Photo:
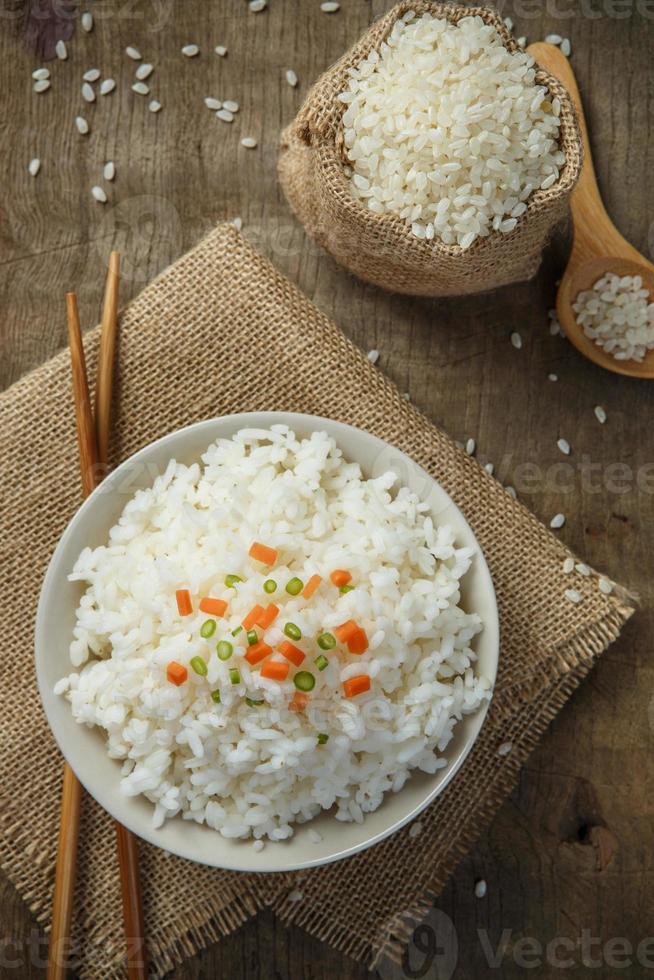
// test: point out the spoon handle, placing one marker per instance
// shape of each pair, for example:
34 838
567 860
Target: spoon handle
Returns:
588 211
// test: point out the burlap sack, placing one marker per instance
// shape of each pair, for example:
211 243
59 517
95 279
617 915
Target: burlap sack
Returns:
380 248
224 297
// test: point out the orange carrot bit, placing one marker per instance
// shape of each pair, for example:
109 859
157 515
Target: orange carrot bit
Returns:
298 702
275 670
340 577
268 616
217 607
291 652
262 553
184 604
176 673
356 685
357 641
345 631
311 586
258 651
252 617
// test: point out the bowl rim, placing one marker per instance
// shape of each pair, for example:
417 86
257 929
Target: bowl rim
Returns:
122 813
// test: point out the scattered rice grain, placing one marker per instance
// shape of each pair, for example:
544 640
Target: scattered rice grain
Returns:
107 86
109 170
154 105
568 565
141 88
99 194
471 445
373 356
92 75
248 142
42 85
144 71
552 377
564 446
61 50
87 93
557 521
505 748
605 586
553 39
583 569
600 414
291 77
329 7
258 846
220 50
225 115
82 125
190 50
415 829
516 340
480 888
256 6
133 53
566 47
40 73
572 595
230 105
214 104
87 21
34 166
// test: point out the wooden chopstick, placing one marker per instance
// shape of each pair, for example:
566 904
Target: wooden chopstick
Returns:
104 379
71 795
64 889
127 845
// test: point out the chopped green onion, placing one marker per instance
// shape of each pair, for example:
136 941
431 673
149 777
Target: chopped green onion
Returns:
239 629
199 666
208 628
321 662
270 586
344 589
293 632
253 702
215 697
295 586
304 680
252 637
326 641
231 581
322 738
224 650
234 675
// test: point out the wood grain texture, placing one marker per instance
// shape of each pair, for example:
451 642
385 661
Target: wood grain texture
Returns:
181 171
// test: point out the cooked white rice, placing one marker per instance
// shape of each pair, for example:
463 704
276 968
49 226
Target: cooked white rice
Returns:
255 770
448 129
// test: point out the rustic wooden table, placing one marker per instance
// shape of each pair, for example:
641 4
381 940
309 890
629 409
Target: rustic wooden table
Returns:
182 170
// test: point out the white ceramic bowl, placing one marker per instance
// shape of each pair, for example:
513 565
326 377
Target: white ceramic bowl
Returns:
84 748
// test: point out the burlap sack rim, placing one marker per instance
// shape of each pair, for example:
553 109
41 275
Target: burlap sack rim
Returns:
324 132
588 644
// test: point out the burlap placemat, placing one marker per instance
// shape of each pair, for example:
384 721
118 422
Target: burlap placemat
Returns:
187 347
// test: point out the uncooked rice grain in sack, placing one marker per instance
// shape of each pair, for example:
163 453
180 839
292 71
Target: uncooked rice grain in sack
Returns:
317 171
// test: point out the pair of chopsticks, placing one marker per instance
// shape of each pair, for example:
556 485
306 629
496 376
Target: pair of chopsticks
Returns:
92 440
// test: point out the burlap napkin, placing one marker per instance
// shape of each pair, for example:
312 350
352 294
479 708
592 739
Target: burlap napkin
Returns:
187 348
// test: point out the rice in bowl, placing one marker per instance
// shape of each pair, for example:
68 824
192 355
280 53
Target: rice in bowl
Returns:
249 765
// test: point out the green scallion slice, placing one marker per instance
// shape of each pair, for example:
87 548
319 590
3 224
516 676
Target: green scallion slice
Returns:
239 629
270 586
304 680
199 666
207 629
231 581
215 697
344 589
253 702
234 675
326 641
294 586
252 637
322 738
321 662
293 632
224 650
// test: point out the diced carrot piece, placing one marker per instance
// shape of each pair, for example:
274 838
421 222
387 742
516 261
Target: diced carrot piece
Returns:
311 586
275 670
252 617
258 651
357 641
176 673
262 553
268 616
184 604
298 702
345 631
340 577
291 652
217 607
356 685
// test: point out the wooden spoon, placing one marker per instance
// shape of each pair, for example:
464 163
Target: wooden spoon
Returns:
597 247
